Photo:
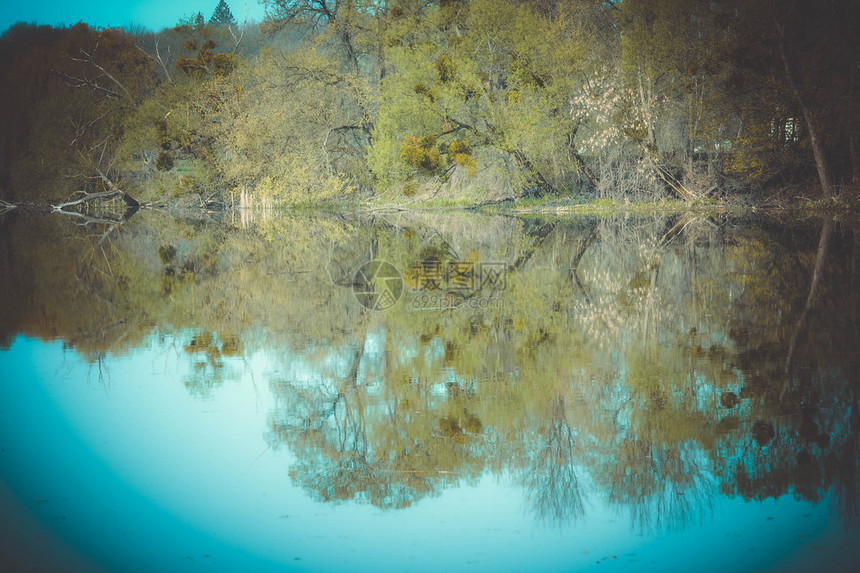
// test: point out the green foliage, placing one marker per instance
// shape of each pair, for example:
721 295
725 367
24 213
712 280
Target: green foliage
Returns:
490 81
644 99
222 14
299 153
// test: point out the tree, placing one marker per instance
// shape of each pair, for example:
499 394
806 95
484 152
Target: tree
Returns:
673 58
493 79
222 16
70 98
792 75
312 151
342 20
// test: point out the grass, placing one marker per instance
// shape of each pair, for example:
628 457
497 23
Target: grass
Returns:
569 206
604 207
573 206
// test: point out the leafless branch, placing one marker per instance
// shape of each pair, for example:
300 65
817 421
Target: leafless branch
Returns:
242 31
81 129
89 59
92 83
157 58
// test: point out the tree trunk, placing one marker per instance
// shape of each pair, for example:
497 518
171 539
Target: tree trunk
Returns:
811 124
541 185
855 159
853 129
817 271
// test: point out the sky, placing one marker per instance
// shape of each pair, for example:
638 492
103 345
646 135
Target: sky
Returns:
153 14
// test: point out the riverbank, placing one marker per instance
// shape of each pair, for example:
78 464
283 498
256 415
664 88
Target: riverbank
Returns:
796 200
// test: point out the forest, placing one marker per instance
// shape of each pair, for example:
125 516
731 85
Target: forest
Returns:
415 101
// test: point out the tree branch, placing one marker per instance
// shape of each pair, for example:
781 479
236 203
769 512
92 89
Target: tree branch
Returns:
157 59
6 206
90 60
89 197
76 82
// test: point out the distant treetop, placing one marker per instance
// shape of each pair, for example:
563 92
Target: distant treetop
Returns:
222 14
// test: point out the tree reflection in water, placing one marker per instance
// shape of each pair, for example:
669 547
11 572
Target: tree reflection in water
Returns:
552 484
656 363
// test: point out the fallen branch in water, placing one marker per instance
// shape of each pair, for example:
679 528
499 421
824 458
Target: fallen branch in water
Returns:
6 206
127 199
87 219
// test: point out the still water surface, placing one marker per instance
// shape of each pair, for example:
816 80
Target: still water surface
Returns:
518 394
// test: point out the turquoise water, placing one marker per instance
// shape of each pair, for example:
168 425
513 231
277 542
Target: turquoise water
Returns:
135 474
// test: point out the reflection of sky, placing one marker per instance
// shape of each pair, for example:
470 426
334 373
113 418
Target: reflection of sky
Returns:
142 476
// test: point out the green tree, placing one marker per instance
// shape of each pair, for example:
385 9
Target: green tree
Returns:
298 153
674 59
496 74
222 16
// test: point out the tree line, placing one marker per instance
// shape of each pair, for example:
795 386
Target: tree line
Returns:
465 99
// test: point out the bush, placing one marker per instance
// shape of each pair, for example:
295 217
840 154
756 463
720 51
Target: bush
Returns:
223 64
421 153
164 161
409 189
445 68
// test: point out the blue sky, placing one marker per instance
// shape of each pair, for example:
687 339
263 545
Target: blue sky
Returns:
154 14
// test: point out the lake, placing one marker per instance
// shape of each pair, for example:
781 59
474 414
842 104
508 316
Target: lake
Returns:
438 391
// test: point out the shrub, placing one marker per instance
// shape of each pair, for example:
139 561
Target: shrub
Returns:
445 68
165 161
409 189
421 153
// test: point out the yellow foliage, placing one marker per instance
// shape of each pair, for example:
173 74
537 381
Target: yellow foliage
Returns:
421 153
223 64
466 161
409 189
459 146
445 68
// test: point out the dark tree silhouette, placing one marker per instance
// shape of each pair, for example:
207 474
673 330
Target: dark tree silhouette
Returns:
222 15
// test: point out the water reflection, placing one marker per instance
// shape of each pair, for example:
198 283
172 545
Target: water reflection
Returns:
654 367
